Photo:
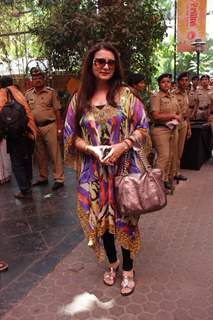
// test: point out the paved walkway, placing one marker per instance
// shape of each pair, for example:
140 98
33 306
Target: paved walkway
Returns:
174 269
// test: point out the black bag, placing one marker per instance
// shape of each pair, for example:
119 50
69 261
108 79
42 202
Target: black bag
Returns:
13 118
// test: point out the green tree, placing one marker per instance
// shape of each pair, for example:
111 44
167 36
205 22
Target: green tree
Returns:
135 27
17 20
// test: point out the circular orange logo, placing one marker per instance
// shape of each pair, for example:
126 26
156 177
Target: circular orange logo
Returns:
191 35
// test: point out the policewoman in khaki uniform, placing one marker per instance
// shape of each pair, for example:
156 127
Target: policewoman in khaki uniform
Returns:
204 98
164 109
184 128
45 106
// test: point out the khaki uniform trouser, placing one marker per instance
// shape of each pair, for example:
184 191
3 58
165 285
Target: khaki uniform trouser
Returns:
211 124
47 141
165 143
182 133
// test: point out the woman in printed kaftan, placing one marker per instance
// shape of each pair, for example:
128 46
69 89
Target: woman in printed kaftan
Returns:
103 124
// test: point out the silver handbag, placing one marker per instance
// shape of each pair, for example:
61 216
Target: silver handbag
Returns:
139 193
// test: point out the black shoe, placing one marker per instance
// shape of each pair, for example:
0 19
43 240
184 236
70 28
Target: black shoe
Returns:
57 185
21 195
167 185
179 177
40 183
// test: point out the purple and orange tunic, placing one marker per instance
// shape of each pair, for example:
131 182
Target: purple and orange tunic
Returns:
96 204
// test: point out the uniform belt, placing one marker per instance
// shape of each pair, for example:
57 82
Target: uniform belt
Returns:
156 125
44 123
203 108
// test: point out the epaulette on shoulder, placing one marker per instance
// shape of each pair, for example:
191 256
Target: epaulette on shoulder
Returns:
49 88
28 90
154 94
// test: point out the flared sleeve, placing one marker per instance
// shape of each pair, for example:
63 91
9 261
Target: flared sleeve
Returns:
72 158
137 128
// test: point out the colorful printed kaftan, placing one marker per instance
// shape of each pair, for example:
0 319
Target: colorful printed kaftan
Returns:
96 198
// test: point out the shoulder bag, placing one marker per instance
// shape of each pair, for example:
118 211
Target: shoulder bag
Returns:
139 193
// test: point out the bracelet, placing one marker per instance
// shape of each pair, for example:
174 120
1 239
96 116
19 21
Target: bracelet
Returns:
129 142
127 147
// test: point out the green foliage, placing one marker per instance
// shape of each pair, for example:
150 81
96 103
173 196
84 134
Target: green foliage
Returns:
186 61
63 30
17 17
135 27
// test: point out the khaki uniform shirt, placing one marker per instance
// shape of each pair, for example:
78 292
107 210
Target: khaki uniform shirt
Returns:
203 96
211 104
183 101
192 98
43 103
164 103
203 103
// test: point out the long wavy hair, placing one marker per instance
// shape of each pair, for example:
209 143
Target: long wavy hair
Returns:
88 81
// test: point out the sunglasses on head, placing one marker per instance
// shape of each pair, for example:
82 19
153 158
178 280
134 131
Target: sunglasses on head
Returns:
101 62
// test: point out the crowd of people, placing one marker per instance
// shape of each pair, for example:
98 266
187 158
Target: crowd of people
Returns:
172 110
105 120
41 138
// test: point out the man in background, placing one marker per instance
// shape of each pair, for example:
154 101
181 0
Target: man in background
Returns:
20 147
46 109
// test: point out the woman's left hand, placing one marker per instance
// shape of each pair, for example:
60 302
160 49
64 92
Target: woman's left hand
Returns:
114 154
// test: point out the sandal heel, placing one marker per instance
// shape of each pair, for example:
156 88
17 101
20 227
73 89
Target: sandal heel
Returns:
110 276
127 284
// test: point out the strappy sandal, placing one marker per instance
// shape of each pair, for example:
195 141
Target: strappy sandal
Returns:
127 285
3 266
110 276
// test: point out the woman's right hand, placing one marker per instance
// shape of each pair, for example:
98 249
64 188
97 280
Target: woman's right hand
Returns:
97 151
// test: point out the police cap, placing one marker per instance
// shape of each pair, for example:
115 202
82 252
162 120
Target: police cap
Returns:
195 78
134 78
205 76
34 71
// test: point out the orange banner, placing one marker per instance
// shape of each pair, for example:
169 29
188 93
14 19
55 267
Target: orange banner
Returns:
191 23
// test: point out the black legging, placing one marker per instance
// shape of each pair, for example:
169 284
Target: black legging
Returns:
109 246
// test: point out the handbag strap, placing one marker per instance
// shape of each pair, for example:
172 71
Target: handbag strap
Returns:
143 158
10 97
123 169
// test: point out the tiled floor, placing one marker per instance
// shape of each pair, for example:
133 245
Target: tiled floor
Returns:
174 272
35 236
